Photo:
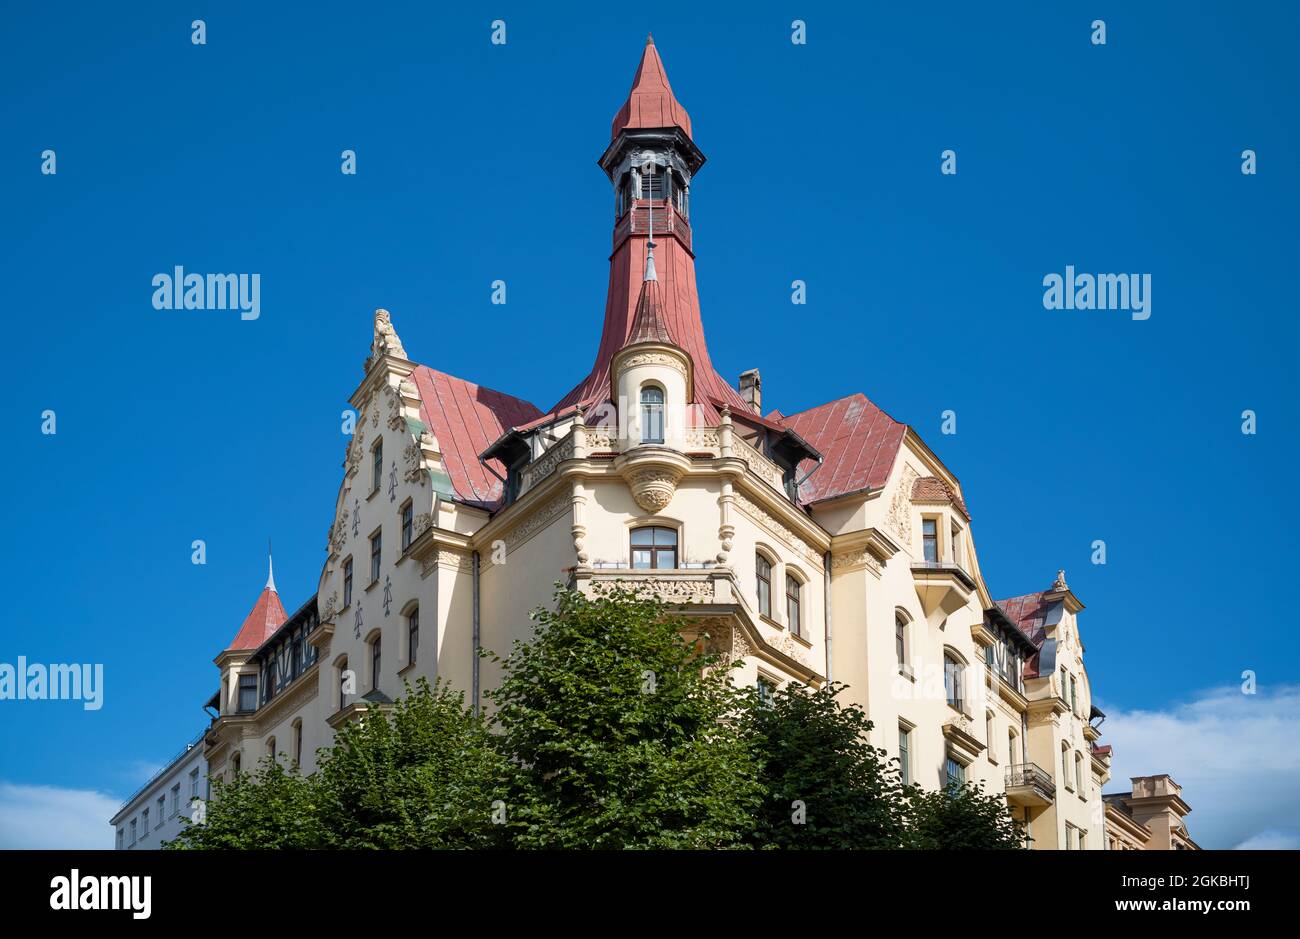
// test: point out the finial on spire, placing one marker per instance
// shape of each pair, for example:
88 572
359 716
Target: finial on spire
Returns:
649 39
270 569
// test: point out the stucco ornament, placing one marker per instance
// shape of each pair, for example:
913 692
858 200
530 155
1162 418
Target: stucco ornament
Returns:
653 489
386 341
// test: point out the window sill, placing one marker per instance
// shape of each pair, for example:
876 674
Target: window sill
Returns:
763 617
373 492
906 671
798 637
372 585
405 668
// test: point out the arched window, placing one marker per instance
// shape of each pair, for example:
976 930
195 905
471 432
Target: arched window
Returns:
763 578
988 734
793 604
900 642
1065 766
652 414
297 741
270 747
375 650
412 633
952 680
654 548
343 682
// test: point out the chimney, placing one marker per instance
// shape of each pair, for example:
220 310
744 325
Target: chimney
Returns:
751 389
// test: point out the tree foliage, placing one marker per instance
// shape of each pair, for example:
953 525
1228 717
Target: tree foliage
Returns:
614 726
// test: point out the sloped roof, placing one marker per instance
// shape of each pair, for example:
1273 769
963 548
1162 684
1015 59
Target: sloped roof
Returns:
651 102
932 489
266 616
858 441
1029 613
466 418
647 322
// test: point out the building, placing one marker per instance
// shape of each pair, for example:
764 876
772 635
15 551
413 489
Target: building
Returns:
160 809
831 543
1149 817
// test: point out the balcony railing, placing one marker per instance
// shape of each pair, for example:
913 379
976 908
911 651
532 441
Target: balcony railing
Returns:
1032 779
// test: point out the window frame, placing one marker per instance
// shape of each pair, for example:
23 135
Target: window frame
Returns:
655 549
377 466
652 413
376 555
412 634
930 539
763 583
406 517
794 604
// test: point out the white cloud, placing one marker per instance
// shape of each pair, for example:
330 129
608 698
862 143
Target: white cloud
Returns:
1231 753
51 817
1272 841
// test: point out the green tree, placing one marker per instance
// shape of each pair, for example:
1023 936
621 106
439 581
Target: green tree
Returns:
827 786
422 774
272 809
961 818
624 733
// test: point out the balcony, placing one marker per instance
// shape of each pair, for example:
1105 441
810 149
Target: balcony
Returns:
942 585
1028 784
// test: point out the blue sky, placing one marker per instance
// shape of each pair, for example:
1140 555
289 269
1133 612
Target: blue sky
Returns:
477 162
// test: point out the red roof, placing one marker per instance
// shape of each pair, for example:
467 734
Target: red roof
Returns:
466 418
266 616
647 323
651 102
1029 613
858 442
932 489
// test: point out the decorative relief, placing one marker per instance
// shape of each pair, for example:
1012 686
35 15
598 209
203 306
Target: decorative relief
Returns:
414 463
653 489
597 440
701 438
423 522
785 535
760 465
670 590
728 642
854 560
356 451
449 560
549 460
537 521
899 518
339 532
793 649
329 608
396 419
653 358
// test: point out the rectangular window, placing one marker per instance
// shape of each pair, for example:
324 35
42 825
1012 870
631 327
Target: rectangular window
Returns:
144 824
376 549
377 467
343 685
374 664
121 839
1011 746
408 524
764 577
954 772
162 811
413 632
792 612
347 582
905 754
133 831
900 643
930 538
176 799
297 743
247 692
766 691
194 783
955 557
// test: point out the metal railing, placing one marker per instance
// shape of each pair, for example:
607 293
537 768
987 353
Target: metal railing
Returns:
1030 774
166 766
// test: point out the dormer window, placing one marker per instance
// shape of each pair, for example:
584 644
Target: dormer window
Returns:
652 414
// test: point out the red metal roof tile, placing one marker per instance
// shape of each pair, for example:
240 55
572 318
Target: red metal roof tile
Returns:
651 102
858 441
466 418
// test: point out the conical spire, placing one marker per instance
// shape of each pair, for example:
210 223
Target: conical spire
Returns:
270 569
266 616
648 321
651 102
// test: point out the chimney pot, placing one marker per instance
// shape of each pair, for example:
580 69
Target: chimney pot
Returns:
751 389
